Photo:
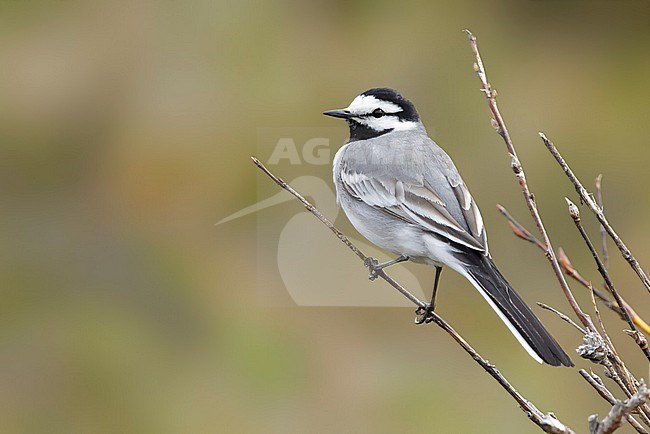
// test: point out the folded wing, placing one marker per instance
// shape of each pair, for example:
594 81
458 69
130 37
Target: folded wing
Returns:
420 203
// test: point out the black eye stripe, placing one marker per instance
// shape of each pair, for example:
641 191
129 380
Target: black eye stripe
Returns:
372 114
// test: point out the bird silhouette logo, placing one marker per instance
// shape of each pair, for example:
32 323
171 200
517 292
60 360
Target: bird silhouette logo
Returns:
315 267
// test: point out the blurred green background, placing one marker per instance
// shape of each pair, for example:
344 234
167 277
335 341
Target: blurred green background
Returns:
125 135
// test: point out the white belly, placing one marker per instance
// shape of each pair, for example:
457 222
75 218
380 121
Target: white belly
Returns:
397 236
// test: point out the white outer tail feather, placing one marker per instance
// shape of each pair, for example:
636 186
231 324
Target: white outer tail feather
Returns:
512 329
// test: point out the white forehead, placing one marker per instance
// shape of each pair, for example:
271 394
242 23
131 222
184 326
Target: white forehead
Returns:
364 104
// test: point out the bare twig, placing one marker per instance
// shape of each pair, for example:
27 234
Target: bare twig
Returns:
611 373
600 321
562 316
519 230
572 272
614 362
499 125
603 232
312 209
517 168
637 319
638 337
547 422
598 385
586 198
615 367
618 413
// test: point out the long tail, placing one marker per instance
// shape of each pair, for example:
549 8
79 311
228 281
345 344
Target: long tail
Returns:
521 321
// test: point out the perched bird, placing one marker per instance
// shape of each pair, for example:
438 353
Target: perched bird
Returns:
403 193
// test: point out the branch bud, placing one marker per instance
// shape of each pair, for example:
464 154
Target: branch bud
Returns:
573 210
640 340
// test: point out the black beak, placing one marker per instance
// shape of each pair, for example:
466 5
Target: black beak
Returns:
343 114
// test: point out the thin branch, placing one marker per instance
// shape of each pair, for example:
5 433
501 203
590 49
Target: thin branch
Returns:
547 422
519 230
586 198
598 385
517 168
600 322
638 337
620 411
603 232
570 271
499 125
614 362
312 209
562 316
615 367
612 372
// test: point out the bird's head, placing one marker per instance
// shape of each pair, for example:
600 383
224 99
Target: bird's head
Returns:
376 112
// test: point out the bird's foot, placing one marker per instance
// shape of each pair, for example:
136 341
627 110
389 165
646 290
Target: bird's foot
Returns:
424 314
375 267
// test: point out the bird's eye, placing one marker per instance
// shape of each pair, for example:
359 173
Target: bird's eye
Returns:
378 113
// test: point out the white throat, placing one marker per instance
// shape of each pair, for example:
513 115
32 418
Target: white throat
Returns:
387 122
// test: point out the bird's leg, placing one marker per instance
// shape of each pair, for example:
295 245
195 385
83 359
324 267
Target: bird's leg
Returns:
424 313
375 267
